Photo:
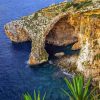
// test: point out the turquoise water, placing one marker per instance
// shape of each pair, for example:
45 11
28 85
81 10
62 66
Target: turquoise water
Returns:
16 77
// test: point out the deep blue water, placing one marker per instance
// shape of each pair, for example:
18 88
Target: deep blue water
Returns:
16 77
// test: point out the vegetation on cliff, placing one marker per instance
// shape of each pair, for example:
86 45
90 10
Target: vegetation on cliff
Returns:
78 90
37 96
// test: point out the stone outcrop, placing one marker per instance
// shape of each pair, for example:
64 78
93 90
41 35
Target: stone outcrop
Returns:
67 63
63 24
47 25
89 58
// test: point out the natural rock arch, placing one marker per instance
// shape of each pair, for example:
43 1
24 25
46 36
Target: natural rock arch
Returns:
83 25
59 32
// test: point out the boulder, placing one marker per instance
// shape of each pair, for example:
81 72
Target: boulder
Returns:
60 54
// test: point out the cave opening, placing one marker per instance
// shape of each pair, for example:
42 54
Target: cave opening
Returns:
61 38
53 50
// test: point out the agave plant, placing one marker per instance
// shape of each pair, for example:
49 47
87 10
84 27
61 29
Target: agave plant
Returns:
78 91
37 96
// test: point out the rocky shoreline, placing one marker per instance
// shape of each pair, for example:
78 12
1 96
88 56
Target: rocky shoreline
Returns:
77 22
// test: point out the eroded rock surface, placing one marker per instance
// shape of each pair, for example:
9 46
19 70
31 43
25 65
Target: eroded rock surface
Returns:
39 28
89 59
67 62
63 24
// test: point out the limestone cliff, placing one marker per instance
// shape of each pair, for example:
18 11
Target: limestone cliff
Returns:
47 25
89 58
89 32
76 22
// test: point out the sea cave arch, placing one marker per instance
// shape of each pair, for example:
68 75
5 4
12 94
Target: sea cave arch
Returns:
59 32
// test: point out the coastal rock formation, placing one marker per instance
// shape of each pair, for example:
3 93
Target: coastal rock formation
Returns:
47 25
67 63
76 22
89 58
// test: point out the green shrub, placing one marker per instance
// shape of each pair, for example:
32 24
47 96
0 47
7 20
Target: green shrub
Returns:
83 4
97 57
68 5
27 96
78 91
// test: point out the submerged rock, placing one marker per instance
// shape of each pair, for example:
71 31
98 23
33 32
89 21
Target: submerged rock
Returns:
60 54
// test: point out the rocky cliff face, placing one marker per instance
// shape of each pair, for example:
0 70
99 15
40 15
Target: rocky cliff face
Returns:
63 24
89 58
47 25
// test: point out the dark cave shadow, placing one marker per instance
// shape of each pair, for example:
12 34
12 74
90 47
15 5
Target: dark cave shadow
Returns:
51 50
24 46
